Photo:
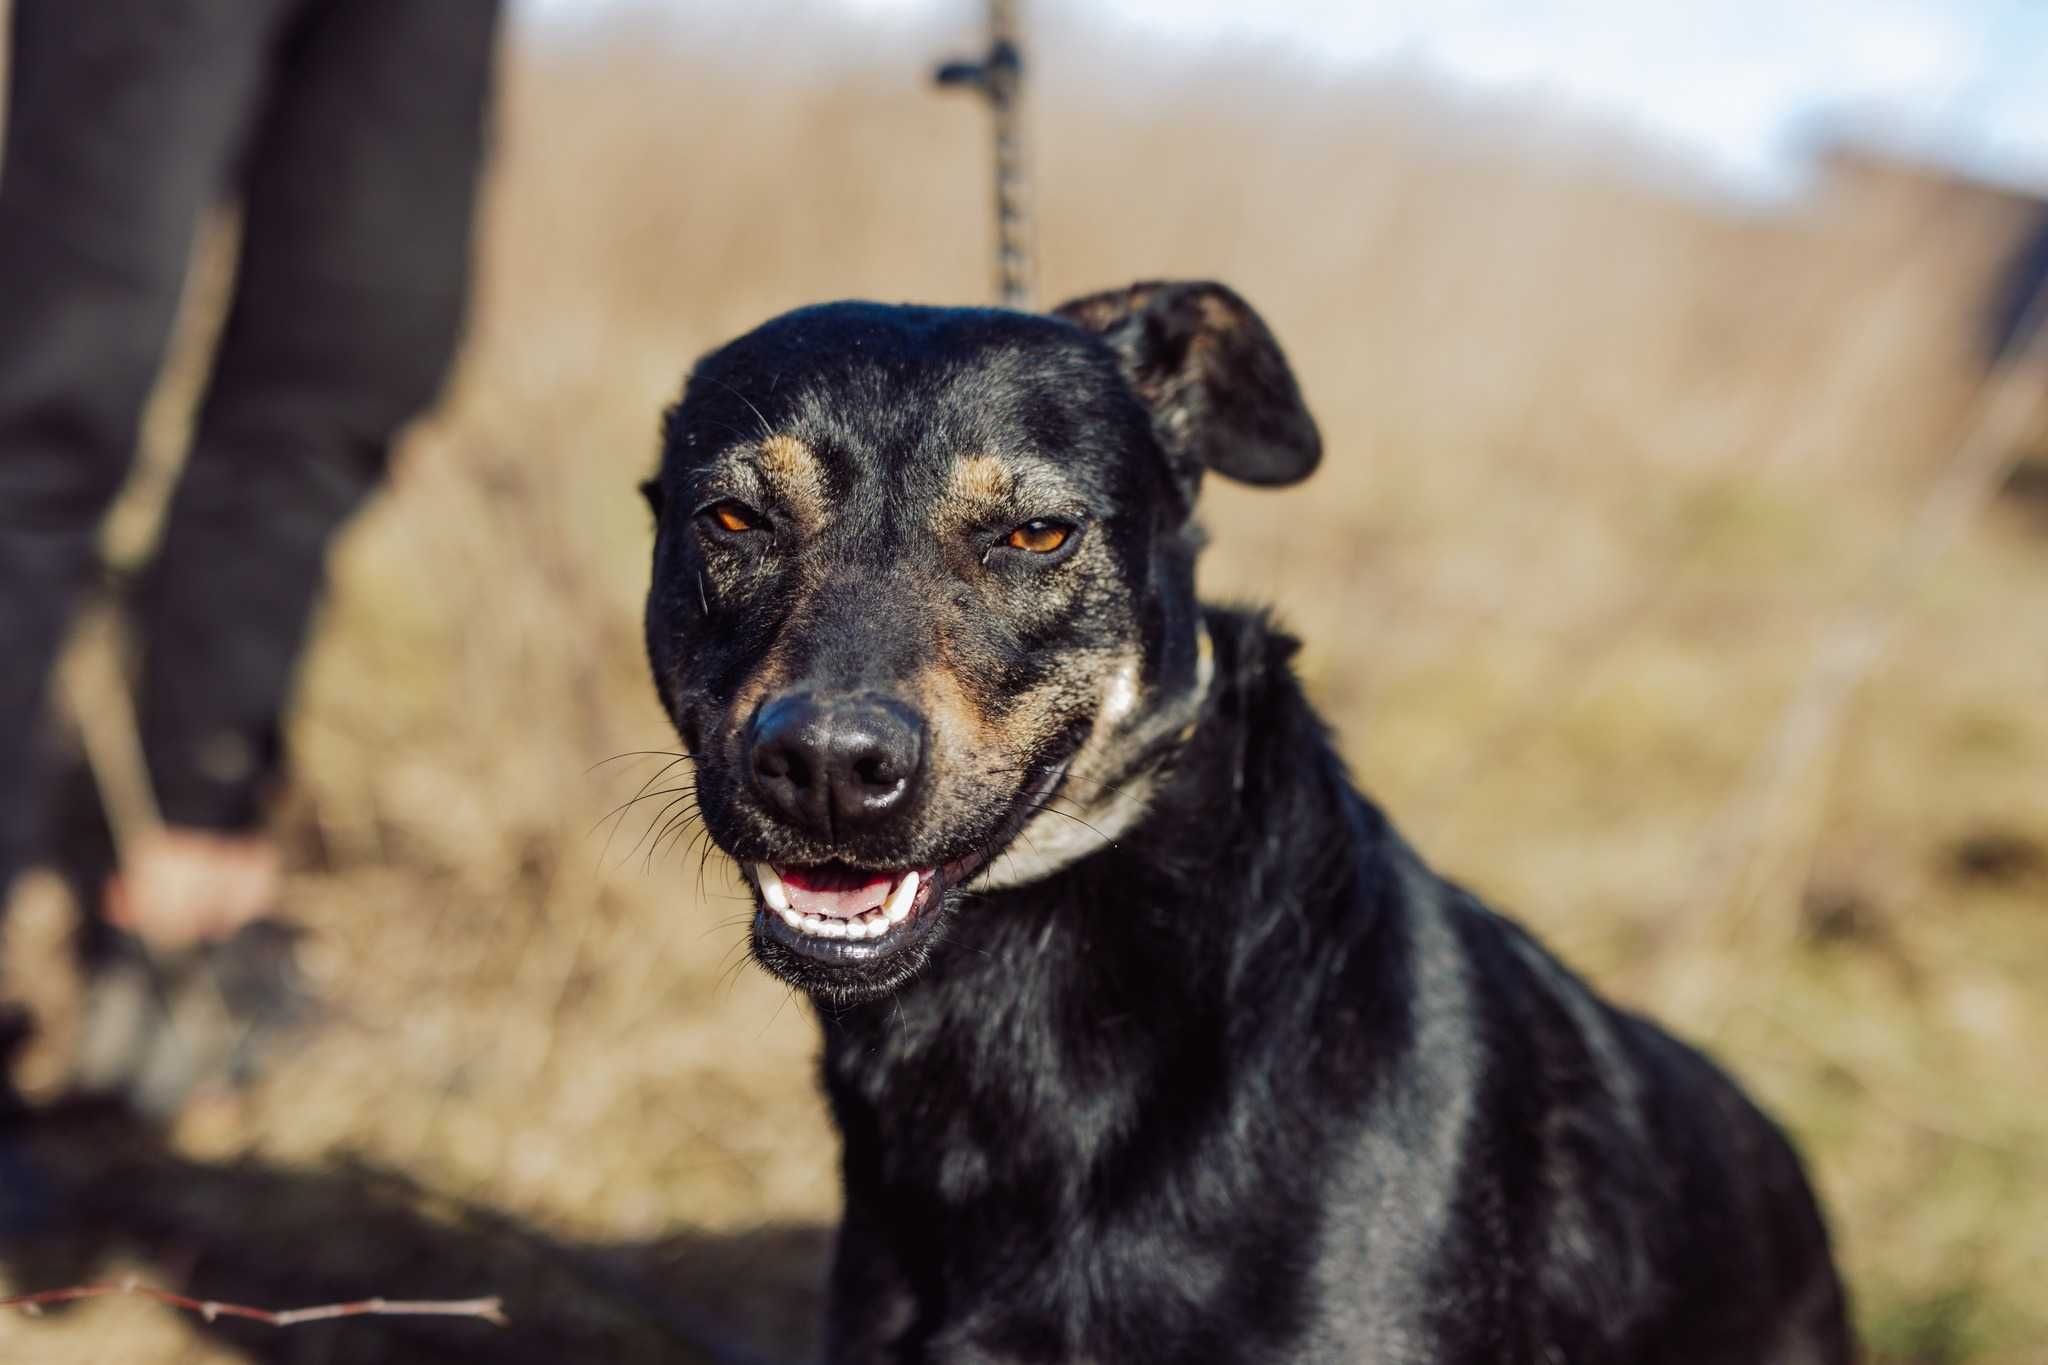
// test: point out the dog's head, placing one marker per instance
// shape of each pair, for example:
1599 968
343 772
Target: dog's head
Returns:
921 573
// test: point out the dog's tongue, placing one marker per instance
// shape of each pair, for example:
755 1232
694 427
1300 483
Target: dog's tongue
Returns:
836 892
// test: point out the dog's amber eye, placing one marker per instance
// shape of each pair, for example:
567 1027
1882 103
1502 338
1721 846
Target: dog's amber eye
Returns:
1039 537
732 516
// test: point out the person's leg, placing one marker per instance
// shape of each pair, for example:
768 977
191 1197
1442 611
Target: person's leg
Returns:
348 305
122 118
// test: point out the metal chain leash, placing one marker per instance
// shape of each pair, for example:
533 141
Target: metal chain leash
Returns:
999 77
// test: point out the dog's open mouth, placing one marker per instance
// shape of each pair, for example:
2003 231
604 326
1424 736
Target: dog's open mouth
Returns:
838 914
837 901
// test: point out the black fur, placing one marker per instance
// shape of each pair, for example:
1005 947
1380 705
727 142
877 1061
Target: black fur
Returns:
1248 1082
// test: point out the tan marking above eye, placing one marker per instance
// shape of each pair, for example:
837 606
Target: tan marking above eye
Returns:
797 480
981 479
1039 537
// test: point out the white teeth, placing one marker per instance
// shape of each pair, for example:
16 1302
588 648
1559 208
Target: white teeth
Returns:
874 924
900 899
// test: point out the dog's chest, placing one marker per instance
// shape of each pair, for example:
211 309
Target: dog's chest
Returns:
1048 1174
986 1092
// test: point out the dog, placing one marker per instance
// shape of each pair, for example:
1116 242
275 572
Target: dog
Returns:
1147 1037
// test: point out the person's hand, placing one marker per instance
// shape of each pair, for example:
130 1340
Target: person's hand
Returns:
180 887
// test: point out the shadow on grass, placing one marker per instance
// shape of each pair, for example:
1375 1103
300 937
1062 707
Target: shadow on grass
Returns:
274 1237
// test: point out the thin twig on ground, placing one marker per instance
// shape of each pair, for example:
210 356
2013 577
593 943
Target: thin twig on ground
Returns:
490 1309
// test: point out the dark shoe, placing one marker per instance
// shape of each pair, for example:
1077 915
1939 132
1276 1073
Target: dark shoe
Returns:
157 1027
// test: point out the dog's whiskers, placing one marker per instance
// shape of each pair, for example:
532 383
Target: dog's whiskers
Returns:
634 800
1101 785
673 832
681 807
1049 808
636 753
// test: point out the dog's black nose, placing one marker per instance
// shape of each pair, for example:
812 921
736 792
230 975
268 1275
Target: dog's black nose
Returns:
834 766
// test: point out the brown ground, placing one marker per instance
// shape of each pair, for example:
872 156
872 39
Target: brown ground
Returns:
1607 465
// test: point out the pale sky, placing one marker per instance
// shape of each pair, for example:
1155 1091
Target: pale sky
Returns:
1736 82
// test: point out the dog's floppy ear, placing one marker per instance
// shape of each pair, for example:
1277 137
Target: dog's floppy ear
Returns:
1219 389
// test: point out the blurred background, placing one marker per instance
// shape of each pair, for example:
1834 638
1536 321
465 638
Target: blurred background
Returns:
1654 581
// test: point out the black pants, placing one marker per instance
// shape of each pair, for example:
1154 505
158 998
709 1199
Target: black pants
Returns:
353 130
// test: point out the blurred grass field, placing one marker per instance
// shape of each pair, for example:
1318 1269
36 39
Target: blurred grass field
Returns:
1608 458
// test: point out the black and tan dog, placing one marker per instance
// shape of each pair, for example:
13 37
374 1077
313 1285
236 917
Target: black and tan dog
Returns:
1148 1038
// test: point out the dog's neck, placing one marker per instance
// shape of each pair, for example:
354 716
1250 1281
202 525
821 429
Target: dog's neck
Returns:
1110 784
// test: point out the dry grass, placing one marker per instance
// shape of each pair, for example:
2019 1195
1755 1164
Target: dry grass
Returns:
1605 463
